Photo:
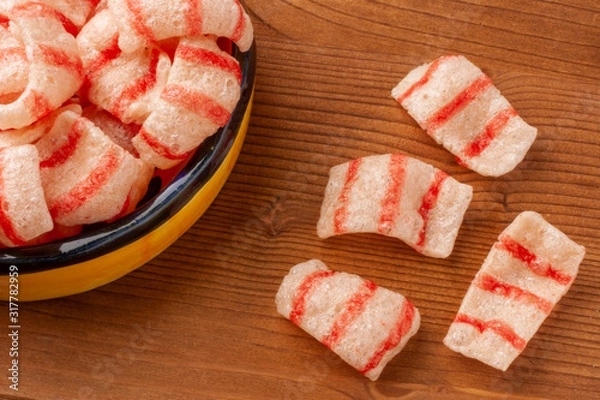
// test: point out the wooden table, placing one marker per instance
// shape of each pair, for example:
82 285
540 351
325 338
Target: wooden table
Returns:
199 321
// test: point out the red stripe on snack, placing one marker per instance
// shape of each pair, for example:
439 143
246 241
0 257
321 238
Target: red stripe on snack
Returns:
138 21
240 25
37 103
93 3
6 223
197 102
96 65
457 104
159 148
209 58
433 67
492 285
87 188
193 17
306 288
59 58
428 203
353 308
138 88
390 206
4 21
64 152
398 331
106 55
483 140
37 10
498 327
341 213
537 266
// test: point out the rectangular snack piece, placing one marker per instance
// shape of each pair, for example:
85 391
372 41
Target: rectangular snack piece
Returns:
528 270
397 196
366 325
463 111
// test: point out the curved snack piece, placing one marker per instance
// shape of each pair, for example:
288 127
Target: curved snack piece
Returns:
125 84
86 177
462 110
142 22
202 90
24 214
397 196
366 325
55 69
528 270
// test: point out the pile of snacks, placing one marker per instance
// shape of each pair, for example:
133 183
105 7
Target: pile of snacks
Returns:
526 273
95 95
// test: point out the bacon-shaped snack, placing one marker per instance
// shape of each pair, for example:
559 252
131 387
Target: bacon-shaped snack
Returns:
86 177
72 13
24 214
30 134
55 69
528 270
142 22
125 84
366 325
122 134
397 196
202 90
461 109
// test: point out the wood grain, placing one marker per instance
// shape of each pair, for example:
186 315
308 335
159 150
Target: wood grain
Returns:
199 321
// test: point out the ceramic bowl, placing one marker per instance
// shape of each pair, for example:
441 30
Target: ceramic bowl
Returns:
105 252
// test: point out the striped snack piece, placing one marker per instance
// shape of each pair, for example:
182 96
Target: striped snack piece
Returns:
86 177
462 110
397 196
72 13
125 84
528 270
55 68
142 22
366 325
202 90
23 213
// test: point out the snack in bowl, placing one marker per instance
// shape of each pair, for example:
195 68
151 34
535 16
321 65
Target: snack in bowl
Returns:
125 84
55 71
460 108
528 270
398 196
365 324
202 90
143 22
155 206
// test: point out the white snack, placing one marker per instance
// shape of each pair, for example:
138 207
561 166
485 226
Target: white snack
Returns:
526 273
86 177
202 90
462 110
397 196
364 324
55 69
142 22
